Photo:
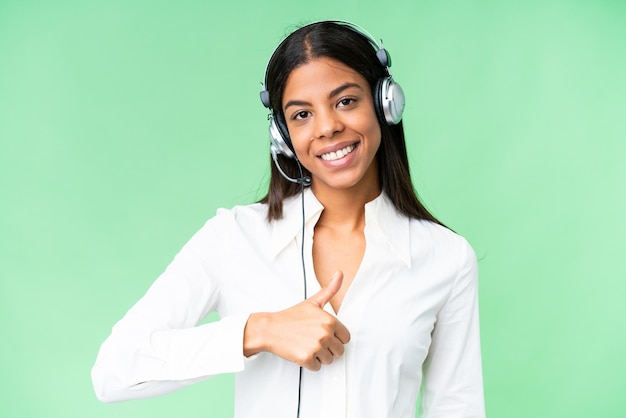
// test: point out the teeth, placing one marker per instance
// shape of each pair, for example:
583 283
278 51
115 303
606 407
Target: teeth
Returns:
335 155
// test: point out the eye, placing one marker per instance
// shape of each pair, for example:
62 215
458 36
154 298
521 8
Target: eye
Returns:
303 114
346 101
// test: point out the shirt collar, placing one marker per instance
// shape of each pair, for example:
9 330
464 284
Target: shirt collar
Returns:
380 215
290 226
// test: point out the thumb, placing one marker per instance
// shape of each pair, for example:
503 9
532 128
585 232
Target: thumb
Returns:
326 293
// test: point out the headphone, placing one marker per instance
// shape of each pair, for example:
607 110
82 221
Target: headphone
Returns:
388 98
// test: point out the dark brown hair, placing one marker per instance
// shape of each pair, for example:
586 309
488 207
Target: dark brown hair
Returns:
342 43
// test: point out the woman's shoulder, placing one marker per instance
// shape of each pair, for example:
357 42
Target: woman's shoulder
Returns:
440 238
252 210
241 220
253 215
434 230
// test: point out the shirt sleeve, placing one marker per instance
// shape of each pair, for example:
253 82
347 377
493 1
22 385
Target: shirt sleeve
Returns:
157 347
453 383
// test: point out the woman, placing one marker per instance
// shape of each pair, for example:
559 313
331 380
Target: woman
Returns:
394 292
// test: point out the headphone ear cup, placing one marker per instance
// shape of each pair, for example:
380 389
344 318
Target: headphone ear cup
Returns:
378 105
388 101
279 137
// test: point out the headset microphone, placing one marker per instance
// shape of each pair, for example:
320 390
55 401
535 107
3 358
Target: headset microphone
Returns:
304 180
278 146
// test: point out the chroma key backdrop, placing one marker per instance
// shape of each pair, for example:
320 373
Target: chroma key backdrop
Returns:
124 125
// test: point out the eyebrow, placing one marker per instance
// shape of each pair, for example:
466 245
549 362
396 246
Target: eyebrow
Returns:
332 94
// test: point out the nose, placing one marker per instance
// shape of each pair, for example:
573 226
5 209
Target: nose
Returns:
327 124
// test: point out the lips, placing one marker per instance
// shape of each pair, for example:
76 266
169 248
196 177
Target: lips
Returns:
338 154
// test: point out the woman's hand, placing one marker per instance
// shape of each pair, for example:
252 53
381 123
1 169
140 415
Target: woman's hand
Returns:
304 334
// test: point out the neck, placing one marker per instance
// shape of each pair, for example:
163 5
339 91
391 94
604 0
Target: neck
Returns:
345 208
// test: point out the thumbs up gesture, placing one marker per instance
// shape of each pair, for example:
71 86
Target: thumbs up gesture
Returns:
305 333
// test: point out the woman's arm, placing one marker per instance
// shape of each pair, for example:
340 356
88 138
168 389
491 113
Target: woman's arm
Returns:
157 347
453 384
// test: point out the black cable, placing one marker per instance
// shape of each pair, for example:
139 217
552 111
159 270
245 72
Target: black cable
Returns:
303 274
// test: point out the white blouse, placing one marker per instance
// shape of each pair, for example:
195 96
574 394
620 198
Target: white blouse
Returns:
412 312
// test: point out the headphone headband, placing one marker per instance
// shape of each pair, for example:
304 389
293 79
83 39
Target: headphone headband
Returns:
381 53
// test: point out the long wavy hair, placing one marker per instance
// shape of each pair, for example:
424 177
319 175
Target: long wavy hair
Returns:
344 44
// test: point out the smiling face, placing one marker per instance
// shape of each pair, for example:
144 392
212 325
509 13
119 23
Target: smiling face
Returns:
329 111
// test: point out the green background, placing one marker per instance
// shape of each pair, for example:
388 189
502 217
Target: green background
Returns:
125 124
